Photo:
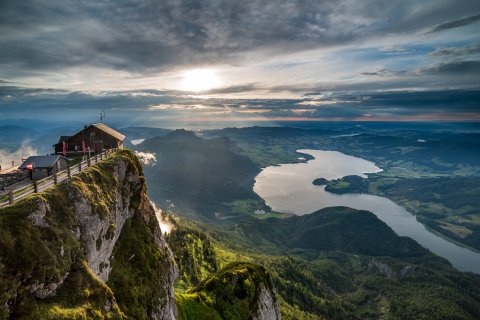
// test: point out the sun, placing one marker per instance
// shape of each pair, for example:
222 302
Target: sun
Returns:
199 80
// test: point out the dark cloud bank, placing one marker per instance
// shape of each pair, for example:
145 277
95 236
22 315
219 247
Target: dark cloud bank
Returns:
457 52
150 35
455 24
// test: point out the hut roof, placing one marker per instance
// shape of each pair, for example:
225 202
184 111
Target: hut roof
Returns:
41 161
110 131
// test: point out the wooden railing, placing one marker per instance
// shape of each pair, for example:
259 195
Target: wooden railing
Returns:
43 184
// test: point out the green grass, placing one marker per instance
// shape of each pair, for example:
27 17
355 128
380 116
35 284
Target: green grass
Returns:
269 215
82 296
193 253
190 306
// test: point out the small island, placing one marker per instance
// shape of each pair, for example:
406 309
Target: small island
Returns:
348 184
320 181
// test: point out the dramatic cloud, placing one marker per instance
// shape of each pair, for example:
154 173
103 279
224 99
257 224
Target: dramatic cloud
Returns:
455 24
457 52
237 89
171 111
385 73
156 35
463 68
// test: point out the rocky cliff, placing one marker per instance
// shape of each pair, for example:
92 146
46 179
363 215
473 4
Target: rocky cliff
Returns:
89 248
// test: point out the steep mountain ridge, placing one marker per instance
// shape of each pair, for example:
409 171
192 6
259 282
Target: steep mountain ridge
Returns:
56 247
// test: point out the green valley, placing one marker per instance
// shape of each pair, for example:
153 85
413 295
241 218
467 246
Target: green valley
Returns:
337 263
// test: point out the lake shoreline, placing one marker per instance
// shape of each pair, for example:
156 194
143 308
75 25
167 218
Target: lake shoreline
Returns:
289 188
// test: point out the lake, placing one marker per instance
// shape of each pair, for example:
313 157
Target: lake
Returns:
288 188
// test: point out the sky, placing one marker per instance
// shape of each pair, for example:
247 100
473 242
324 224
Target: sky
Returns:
172 62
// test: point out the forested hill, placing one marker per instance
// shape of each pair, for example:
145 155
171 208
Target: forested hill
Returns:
198 175
337 263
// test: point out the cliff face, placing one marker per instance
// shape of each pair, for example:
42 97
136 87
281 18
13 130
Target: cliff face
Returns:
89 248
97 233
266 307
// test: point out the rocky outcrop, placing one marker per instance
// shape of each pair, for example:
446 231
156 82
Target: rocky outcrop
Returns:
45 290
99 233
60 244
242 289
267 307
389 272
93 248
37 218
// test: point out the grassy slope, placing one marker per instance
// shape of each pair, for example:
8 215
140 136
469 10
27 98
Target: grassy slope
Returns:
203 291
194 253
192 306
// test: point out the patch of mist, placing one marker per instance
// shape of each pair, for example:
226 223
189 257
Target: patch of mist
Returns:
163 221
146 158
24 151
137 141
